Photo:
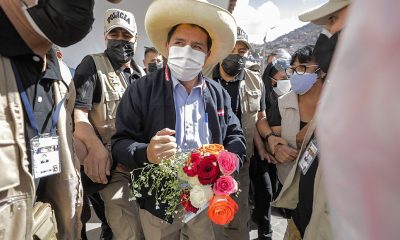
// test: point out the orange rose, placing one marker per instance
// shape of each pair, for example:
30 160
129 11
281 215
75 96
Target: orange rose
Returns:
222 209
214 149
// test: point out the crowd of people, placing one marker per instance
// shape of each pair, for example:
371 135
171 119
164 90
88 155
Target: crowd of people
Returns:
71 141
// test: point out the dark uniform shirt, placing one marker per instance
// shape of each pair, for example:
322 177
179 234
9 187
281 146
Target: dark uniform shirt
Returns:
39 89
232 87
87 81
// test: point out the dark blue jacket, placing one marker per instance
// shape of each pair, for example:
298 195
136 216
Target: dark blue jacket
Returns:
148 106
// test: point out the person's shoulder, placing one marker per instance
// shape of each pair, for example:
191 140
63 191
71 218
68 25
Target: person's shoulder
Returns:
212 83
253 74
288 100
87 62
150 79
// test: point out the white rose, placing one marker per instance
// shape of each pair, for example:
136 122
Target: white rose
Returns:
194 181
200 195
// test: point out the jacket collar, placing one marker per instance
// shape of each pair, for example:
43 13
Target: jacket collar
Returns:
289 100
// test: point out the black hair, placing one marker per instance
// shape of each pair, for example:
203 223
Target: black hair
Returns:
150 49
173 29
304 54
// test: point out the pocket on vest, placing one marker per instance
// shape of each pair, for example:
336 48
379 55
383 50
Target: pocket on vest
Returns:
253 100
9 157
14 215
112 100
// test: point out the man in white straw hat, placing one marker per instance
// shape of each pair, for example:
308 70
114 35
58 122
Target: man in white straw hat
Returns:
101 80
176 106
303 191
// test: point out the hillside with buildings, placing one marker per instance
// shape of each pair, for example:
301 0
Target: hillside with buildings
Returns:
306 35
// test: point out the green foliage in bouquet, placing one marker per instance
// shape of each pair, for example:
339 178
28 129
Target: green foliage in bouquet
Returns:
165 181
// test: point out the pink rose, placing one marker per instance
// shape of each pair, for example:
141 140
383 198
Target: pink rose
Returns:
225 185
228 162
191 165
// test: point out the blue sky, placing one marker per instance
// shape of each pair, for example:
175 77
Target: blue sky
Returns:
257 17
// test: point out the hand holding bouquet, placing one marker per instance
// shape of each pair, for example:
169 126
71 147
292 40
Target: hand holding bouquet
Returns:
194 180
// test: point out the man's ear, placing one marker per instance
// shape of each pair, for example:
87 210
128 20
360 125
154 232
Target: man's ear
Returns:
207 55
167 48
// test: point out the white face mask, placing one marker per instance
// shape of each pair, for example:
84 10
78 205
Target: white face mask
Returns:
282 87
185 63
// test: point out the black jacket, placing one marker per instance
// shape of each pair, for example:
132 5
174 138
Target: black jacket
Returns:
148 106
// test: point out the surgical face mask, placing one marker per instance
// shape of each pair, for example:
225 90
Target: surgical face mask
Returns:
302 83
233 64
120 51
185 63
154 66
282 87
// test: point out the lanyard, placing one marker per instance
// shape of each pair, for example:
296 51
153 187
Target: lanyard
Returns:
28 107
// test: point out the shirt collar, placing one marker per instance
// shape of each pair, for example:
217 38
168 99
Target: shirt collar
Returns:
53 68
200 83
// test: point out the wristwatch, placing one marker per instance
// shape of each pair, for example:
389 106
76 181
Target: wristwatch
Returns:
269 135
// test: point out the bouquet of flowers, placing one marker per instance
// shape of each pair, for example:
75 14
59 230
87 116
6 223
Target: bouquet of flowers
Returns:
194 180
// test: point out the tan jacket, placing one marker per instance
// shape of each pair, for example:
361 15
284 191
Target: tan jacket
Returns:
290 126
319 227
17 190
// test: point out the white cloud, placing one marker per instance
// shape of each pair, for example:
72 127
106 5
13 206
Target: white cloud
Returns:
257 21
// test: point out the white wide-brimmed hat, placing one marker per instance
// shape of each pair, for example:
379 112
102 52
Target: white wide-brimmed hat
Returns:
117 18
320 14
162 15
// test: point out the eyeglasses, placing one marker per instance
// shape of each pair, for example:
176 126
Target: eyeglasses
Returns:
301 69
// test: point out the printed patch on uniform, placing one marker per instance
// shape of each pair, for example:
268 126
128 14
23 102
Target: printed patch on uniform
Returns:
220 112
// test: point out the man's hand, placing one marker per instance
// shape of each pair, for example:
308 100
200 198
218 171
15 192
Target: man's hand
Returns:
97 163
263 154
272 159
273 141
162 145
285 153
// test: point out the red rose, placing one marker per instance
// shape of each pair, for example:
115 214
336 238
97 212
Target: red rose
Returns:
191 165
185 201
208 170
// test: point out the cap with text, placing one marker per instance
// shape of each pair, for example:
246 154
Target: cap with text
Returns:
116 18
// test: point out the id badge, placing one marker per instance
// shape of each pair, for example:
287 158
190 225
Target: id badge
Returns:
45 155
308 156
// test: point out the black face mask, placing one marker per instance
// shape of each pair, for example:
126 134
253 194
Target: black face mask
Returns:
120 51
233 64
324 50
63 22
152 67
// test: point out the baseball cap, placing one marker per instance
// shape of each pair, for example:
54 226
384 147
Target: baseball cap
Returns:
116 18
242 37
320 15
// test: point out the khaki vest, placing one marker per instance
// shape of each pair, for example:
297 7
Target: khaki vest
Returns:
17 190
250 97
113 85
290 126
319 227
